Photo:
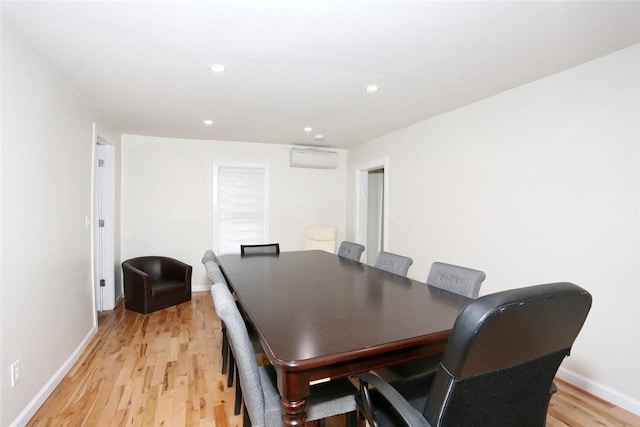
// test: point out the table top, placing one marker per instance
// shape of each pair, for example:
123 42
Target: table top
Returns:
314 308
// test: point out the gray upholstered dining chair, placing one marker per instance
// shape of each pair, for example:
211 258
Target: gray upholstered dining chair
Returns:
214 273
215 276
228 361
396 264
350 250
453 278
261 397
267 248
498 365
209 255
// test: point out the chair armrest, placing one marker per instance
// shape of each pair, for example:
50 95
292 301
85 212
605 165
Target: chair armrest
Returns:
409 414
137 280
133 272
177 270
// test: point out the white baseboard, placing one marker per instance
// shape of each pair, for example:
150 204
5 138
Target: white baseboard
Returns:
29 411
201 288
602 391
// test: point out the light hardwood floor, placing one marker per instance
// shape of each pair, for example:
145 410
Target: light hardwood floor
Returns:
163 369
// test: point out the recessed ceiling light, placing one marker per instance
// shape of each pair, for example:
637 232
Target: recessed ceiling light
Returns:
208 122
218 68
319 137
308 129
372 88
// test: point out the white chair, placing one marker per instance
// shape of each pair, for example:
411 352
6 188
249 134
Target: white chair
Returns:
323 238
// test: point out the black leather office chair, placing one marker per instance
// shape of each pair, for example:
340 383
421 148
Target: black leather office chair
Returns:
498 366
267 248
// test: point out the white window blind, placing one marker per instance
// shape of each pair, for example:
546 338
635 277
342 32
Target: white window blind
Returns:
240 215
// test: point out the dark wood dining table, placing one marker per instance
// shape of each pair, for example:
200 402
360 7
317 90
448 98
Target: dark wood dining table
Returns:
320 316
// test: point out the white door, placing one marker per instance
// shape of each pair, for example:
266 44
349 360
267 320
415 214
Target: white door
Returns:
103 225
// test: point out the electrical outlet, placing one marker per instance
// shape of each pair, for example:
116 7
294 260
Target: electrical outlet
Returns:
15 373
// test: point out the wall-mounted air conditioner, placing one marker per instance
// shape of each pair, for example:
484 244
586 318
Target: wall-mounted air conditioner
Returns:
313 158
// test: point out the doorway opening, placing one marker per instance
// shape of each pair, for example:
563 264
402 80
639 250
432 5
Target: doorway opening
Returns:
372 220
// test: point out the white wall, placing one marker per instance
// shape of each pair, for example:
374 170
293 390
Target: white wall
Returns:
167 196
46 309
534 185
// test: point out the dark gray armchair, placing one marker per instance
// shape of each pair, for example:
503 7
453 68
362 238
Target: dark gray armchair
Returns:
498 366
155 282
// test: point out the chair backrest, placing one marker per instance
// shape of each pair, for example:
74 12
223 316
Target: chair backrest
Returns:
209 255
214 273
322 238
396 264
502 355
152 265
267 248
351 250
242 352
453 278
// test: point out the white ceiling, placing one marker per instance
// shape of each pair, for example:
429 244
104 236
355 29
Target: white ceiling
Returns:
143 65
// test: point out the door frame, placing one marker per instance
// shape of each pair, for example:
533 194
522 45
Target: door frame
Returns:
362 195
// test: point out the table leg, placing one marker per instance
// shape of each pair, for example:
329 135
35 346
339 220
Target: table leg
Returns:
294 413
294 390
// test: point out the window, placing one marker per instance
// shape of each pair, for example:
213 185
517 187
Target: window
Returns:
240 211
